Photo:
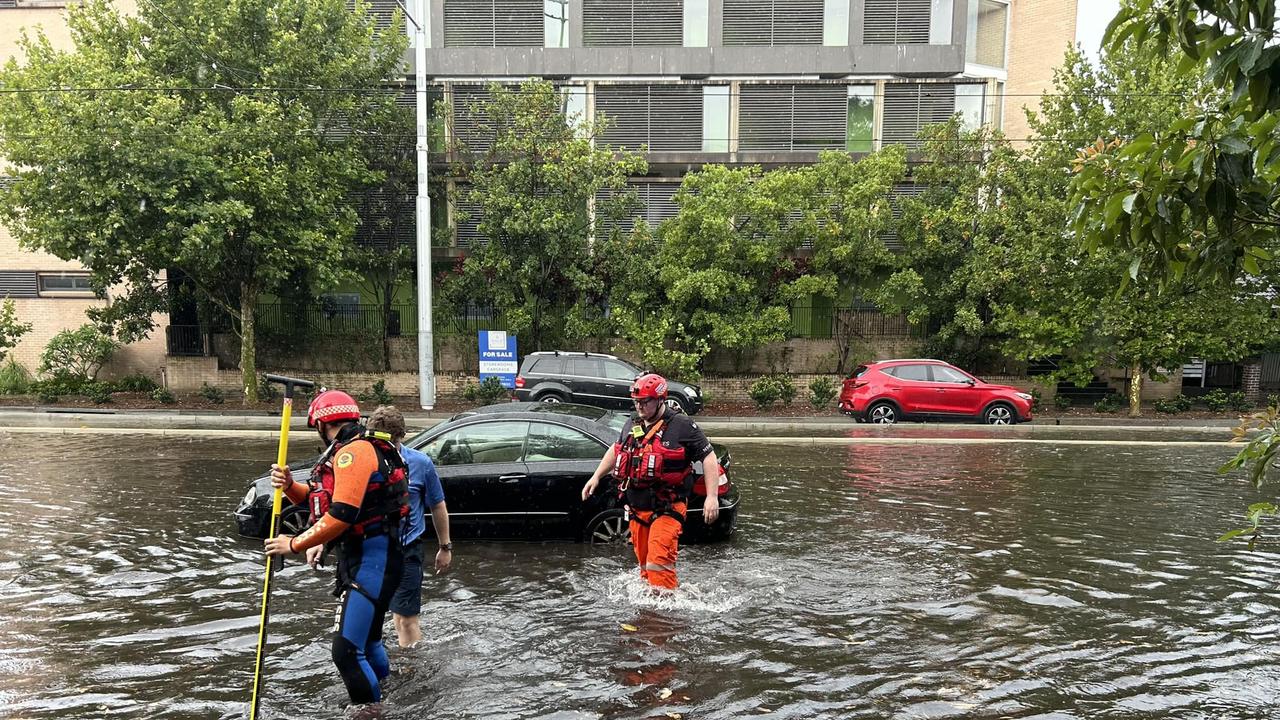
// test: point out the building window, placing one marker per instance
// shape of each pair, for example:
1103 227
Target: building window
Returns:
696 21
555 23
987 28
835 23
940 13
860 136
573 104
969 104
715 118
65 283
896 22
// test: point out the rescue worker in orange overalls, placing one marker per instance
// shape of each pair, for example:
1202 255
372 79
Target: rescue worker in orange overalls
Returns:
652 462
358 495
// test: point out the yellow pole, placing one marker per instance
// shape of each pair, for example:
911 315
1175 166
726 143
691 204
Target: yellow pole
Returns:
282 453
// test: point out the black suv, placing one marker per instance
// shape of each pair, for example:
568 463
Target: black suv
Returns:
592 379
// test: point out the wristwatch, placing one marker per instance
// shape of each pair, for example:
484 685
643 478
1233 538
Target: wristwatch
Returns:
447 546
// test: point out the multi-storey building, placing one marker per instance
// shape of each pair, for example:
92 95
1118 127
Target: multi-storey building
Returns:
769 82
732 82
50 293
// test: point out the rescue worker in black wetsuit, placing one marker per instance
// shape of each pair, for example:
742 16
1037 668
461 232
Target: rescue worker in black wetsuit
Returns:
358 495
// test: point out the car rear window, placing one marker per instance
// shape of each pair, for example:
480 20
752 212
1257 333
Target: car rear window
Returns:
547 365
858 371
910 372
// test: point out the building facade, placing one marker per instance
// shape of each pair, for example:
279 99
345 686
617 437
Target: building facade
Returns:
734 82
50 293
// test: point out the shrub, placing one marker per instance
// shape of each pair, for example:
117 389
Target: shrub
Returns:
821 391
1108 404
57 386
14 378
10 329
1273 401
78 353
1037 402
98 392
485 392
1062 402
786 388
267 391
764 392
377 394
1239 401
134 383
1167 405
212 394
162 395
1215 400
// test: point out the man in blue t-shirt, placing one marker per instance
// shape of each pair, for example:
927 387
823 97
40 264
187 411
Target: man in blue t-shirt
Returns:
424 492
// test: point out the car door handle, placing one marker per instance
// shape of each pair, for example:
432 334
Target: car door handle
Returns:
512 478
940 390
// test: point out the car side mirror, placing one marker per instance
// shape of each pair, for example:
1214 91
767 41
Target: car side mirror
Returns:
970 382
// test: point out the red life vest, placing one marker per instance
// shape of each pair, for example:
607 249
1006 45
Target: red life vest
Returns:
647 471
386 498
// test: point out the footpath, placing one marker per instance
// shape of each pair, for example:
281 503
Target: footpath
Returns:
832 429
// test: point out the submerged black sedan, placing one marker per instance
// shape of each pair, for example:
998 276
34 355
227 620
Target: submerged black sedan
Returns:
516 471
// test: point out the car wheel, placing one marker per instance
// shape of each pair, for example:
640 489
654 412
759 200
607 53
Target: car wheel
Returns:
550 398
293 519
999 414
608 527
882 413
676 404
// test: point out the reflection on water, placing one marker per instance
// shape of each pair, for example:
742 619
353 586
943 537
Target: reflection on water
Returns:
867 581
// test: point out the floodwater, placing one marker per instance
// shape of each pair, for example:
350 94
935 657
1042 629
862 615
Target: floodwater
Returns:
865 581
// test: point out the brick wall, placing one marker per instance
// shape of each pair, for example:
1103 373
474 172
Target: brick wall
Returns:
1040 31
1251 381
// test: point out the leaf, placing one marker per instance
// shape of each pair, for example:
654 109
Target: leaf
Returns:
1133 268
1231 535
1234 145
1128 202
629 628
664 693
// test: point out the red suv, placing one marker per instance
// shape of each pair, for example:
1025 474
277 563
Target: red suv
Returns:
893 390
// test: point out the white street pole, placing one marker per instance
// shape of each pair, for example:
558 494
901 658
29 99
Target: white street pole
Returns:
426 361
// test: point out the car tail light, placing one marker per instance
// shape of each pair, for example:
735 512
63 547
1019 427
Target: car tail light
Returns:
854 384
519 381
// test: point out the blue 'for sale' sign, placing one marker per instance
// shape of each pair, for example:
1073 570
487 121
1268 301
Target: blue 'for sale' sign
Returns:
498 357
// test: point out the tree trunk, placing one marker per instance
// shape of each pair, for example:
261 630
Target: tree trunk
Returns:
1135 390
248 369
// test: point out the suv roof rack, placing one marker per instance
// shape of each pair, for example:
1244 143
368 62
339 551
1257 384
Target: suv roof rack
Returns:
573 353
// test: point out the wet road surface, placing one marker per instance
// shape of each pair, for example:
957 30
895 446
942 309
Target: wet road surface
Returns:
866 581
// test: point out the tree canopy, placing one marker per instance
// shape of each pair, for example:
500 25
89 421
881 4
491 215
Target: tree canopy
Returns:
219 139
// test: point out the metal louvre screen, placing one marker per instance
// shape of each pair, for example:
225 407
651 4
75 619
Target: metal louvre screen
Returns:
792 117
493 23
896 22
469 228
18 284
774 22
908 107
656 205
890 238
666 118
632 23
381 10
469 125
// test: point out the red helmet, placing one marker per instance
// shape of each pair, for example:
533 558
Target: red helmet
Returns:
332 406
649 385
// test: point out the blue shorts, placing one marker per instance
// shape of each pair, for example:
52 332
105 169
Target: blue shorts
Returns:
408 598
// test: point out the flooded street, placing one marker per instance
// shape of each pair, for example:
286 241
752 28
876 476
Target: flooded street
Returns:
865 581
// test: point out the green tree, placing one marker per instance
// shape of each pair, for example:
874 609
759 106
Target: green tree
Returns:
11 331
1199 195
1058 298
746 244
946 233
532 188
221 139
